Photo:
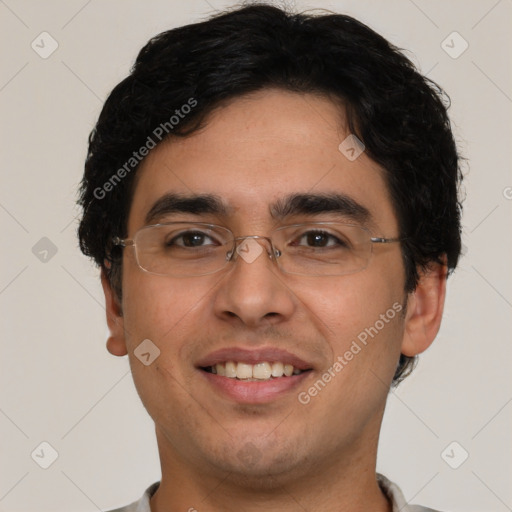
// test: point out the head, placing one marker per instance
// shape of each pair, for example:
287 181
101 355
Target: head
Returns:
249 109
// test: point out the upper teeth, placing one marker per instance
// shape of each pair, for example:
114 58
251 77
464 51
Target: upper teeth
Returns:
259 371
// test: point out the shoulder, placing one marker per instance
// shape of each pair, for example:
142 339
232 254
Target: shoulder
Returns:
141 505
396 497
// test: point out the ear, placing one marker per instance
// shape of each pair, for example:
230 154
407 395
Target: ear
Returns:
425 307
116 343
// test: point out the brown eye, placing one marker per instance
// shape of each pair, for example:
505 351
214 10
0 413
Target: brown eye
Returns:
319 239
191 239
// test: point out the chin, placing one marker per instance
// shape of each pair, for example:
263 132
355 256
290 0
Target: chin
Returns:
259 468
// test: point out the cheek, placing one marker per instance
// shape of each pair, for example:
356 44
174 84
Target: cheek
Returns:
159 308
348 304
360 316
164 311
362 323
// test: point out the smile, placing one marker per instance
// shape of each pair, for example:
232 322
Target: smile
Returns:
253 376
253 372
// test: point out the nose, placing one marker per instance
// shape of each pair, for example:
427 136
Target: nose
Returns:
254 293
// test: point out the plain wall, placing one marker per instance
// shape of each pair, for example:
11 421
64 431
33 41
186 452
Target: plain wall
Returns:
59 384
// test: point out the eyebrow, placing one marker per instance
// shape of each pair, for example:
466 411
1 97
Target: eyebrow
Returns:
315 204
178 203
295 204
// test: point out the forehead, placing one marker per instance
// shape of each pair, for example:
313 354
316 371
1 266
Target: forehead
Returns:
257 150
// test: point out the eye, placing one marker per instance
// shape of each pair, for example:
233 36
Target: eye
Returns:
191 239
319 239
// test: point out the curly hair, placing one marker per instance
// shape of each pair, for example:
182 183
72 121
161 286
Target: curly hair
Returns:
400 115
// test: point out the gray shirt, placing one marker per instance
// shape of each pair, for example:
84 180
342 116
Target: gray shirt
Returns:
391 490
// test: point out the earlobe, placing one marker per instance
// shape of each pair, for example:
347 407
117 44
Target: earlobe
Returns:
425 307
116 343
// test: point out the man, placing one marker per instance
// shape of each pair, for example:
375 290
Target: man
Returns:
272 200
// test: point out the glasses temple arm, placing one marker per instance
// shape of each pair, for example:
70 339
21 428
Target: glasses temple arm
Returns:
122 242
379 240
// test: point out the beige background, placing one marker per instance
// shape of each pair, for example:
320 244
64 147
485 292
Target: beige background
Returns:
58 383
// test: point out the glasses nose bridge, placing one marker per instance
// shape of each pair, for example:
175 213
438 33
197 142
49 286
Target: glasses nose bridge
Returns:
272 252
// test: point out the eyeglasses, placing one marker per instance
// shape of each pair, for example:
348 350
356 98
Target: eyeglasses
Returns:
186 249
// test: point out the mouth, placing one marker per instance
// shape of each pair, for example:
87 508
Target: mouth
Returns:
262 371
253 376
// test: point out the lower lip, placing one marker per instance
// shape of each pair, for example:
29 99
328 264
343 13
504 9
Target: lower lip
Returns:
254 392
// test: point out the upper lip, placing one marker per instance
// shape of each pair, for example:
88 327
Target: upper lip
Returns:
253 356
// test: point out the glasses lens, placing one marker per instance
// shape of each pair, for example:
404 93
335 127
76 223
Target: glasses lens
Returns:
182 249
323 249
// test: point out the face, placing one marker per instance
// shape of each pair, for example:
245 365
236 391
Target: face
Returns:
253 154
